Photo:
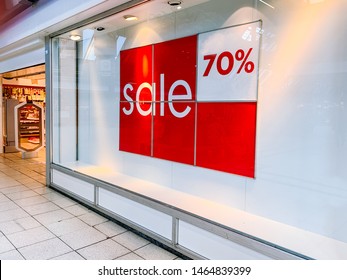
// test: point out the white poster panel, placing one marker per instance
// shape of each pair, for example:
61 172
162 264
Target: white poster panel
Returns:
228 63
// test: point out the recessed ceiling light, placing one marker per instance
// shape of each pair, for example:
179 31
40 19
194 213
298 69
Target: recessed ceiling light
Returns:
174 2
130 17
75 37
100 28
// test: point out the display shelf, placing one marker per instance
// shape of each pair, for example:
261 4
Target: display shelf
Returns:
29 117
21 92
303 242
29 126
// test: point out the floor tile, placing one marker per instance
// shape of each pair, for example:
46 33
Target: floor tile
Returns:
82 238
35 185
67 226
27 172
53 196
40 189
69 256
105 250
11 255
77 210
153 252
42 180
10 227
5 245
3 198
31 200
8 205
26 180
28 222
110 228
12 173
131 240
12 214
64 202
8 183
21 194
41 208
30 236
53 216
19 176
45 250
14 189
130 256
92 218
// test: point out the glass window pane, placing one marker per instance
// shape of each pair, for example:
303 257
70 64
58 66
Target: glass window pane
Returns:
271 146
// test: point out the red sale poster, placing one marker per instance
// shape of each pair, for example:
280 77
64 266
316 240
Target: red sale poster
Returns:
193 100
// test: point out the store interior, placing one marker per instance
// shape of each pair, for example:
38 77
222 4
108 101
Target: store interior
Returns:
21 123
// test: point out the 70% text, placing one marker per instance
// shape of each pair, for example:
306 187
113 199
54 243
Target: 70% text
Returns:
226 60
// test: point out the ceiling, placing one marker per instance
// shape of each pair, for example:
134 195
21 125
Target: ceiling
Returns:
12 8
35 73
144 12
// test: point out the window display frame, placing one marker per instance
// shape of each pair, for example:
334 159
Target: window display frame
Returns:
96 188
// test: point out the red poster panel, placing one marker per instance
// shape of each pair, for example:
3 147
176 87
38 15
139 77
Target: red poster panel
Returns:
174 137
226 137
135 70
175 61
175 80
228 63
135 131
136 90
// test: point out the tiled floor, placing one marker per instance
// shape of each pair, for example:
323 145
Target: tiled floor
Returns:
37 222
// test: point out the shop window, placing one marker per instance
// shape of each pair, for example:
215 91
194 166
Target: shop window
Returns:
232 102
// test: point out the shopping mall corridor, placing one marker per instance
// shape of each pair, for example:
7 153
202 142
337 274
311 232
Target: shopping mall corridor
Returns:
37 222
